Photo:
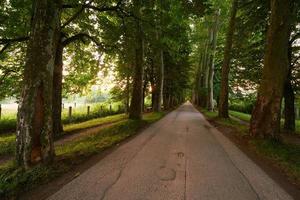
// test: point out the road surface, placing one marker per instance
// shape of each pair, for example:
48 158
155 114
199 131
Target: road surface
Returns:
180 157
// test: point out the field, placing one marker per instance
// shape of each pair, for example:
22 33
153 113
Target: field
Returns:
79 114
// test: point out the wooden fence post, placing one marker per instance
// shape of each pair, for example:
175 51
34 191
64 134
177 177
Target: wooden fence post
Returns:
70 112
88 110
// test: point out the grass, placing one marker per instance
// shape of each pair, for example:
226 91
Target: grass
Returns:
7 141
246 117
286 156
242 116
14 181
7 144
94 122
79 114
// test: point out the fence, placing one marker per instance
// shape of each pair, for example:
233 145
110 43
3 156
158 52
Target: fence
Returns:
6 112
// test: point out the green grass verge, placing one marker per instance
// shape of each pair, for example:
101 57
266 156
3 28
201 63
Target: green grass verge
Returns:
94 122
242 116
286 156
7 141
246 117
14 181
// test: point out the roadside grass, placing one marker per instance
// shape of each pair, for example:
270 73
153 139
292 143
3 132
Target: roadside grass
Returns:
14 181
7 144
93 122
285 156
246 117
7 141
242 116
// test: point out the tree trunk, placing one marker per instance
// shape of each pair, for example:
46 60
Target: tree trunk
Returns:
136 106
214 35
223 103
159 83
265 121
127 94
34 139
159 60
204 82
289 106
57 91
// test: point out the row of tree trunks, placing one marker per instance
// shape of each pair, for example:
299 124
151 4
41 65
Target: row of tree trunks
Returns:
223 99
265 120
34 141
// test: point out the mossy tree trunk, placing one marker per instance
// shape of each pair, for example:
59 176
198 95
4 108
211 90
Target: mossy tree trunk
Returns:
223 99
265 121
34 138
136 105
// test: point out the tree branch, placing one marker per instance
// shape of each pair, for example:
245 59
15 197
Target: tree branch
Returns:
294 38
88 5
81 36
6 40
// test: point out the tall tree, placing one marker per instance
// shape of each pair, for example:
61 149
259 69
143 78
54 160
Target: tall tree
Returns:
223 99
136 105
213 46
34 129
265 120
159 61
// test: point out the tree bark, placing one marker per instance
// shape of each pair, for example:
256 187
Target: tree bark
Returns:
34 138
265 120
214 35
159 83
57 90
223 101
159 60
136 106
127 100
289 106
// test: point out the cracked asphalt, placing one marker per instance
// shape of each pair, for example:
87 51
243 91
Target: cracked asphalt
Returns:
180 157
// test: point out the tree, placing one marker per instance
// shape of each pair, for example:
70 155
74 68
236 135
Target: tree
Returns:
136 105
223 101
34 130
213 45
265 120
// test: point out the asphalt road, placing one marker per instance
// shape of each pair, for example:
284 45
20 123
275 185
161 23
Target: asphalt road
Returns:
180 157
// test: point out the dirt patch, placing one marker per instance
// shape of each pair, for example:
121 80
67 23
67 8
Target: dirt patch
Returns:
269 166
289 138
